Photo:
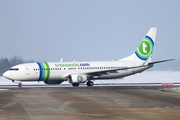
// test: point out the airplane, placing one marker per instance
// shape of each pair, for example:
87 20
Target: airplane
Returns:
86 72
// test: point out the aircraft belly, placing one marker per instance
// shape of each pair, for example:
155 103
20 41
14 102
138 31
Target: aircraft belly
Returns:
57 76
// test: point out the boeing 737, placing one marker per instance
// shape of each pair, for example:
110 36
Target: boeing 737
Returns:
85 72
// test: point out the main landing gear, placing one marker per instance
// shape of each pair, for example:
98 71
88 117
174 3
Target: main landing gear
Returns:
90 83
75 84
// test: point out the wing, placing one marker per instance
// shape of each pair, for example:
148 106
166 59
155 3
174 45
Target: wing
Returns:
104 72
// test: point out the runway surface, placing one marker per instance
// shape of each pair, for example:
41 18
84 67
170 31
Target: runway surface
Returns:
88 103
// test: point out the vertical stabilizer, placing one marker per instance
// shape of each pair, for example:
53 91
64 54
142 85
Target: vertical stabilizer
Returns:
145 49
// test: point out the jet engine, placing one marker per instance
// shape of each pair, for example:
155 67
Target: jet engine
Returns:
53 82
77 78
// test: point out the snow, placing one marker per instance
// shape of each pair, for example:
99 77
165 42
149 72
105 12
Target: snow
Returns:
144 77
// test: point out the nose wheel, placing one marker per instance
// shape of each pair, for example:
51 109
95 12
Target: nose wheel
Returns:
20 85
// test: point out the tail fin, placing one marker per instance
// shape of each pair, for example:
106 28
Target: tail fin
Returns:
145 50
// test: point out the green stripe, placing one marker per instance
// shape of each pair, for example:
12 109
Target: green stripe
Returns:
47 71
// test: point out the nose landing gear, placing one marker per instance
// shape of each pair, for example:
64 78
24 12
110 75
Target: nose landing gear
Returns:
18 82
20 85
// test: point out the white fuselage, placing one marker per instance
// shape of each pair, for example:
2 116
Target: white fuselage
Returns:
42 71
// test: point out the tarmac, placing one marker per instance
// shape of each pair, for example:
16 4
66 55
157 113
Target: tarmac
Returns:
88 103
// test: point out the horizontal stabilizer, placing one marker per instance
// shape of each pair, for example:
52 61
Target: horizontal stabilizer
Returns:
161 61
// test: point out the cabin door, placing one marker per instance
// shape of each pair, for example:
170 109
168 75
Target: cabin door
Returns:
27 71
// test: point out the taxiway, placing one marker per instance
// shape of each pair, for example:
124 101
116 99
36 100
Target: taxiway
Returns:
88 103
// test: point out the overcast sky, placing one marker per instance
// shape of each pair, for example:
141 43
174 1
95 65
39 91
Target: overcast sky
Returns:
47 30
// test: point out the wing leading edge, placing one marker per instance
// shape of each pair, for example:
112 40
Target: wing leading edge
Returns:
104 72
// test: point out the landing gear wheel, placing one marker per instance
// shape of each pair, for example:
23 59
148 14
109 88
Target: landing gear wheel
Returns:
90 83
20 84
75 84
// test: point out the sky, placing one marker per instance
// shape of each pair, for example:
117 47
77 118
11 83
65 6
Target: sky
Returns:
86 30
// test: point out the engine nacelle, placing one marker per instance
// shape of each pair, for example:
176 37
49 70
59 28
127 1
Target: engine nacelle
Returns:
53 82
77 78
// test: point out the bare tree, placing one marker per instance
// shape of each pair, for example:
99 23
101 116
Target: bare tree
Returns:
16 60
1 59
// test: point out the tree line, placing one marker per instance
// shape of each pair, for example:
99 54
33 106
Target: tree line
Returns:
6 64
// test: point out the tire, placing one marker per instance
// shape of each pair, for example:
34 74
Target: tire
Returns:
20 85
75 84
90 83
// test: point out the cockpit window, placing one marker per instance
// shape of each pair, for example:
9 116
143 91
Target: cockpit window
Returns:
14 69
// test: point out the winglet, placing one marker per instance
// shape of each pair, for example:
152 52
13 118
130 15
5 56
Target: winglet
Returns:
61 60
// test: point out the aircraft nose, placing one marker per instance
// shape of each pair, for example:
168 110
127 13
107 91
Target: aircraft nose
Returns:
6 74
